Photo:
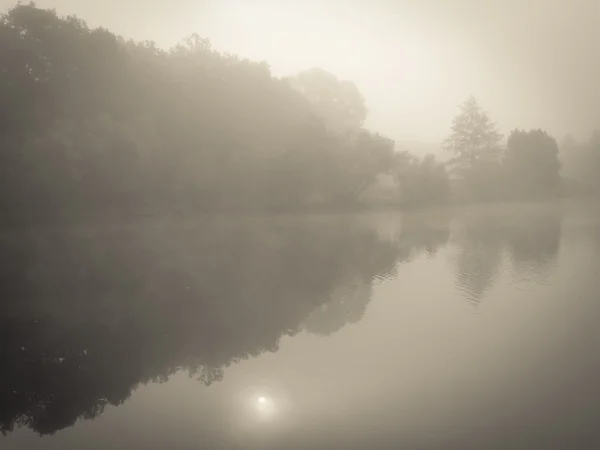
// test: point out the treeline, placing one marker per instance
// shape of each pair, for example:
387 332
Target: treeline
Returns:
92 123
483 167
528 165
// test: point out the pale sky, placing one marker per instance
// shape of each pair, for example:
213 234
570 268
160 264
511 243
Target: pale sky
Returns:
531 64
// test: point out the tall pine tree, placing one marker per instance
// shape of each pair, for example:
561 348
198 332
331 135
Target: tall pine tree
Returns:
474 137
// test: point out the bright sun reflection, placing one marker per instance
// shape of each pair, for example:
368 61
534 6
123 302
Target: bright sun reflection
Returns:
264 406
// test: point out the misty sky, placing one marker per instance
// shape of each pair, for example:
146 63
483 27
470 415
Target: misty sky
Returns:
530 63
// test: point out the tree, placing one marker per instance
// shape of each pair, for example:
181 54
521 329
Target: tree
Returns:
339 103
91 123
532 164
475 144
474 137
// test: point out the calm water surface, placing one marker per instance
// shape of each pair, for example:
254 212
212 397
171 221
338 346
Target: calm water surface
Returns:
445 330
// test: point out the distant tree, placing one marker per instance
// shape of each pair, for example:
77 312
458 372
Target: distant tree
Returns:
532 164
474 137
475 144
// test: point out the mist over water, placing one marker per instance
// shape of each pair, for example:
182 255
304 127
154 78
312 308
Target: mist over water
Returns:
428 330
299 226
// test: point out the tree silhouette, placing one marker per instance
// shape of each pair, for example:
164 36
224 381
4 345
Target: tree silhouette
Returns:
474 142
532 164
474 136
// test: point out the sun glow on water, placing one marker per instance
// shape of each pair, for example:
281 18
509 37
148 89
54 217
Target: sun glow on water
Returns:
263 404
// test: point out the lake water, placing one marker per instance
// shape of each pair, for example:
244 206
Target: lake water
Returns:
465 329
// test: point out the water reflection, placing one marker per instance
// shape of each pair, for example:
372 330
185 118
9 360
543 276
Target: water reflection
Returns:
526 243
88 314
533 243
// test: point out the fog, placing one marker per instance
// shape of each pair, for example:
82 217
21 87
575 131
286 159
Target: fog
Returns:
249 106
257 224
531 63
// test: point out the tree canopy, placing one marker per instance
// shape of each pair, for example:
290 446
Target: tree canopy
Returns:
91 123
532 163
339 103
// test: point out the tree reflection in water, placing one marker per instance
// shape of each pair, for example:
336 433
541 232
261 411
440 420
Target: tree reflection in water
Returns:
525 242
89 313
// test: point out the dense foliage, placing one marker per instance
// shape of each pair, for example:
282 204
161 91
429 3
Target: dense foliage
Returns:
93 124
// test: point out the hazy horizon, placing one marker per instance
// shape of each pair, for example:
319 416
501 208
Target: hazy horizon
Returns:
384 240
414 62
